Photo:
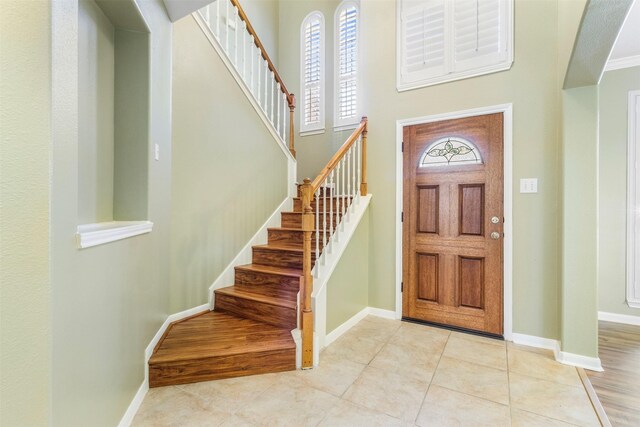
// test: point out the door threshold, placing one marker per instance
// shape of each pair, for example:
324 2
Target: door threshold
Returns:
454 328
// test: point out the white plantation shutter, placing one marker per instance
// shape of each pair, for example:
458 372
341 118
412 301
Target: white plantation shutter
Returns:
423 39
312 44
347 33
445 40
479 28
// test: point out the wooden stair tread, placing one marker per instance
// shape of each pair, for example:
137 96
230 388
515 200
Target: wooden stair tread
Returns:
269 269
263 293
289 229
273 247
215 334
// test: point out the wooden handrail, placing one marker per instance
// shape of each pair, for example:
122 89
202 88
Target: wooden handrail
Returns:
291 98
361 129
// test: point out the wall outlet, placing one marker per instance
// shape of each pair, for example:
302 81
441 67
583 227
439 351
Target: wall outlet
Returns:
529 185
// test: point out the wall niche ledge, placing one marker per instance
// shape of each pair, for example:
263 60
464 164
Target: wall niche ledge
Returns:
104 232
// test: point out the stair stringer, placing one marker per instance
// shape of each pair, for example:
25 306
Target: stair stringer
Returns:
322 272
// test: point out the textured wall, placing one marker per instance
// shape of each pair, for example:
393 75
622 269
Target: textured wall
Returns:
25 284
229 174
612 167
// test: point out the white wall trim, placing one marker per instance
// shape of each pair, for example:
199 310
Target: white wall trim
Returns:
355 319
89 235
620 63
538 342
619 318
131 411
243 86
633 284
380 312
304 128
590 363
227 277
507 110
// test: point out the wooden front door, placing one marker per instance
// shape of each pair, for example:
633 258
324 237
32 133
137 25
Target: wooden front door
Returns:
453 220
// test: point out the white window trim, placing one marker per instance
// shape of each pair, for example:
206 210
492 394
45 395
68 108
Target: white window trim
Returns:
633 234
450 77
314 129
341 125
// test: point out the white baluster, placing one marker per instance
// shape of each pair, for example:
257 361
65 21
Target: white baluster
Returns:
272 103
235 35
266 85
317 199
284 117
217 32
244 51
253 71
258 77
345 176
332 228
226 27
324 215
277 104
359 173
348 157
354 150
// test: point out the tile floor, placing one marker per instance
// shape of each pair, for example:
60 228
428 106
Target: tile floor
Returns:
389 373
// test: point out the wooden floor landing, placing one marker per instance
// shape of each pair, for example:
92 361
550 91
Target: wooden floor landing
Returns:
618 387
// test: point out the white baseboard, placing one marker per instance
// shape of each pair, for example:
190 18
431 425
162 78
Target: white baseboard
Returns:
131 411
353 321
619 318
538 342
227 277
590 363
128 416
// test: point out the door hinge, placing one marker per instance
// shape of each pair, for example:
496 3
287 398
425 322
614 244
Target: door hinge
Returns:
402 217
402 147
401 286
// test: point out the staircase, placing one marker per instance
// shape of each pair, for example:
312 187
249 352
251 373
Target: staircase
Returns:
249 330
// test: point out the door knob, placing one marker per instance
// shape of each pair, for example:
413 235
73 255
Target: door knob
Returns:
495 235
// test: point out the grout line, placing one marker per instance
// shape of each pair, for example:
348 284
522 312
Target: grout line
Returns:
432 377
593 398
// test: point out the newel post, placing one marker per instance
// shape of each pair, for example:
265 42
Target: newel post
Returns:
292 107
363 182
306 283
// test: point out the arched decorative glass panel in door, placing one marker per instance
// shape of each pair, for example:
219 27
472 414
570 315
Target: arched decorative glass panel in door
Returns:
450 151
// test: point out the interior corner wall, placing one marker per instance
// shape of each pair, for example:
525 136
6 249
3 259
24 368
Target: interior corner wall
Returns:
348 287
579 326
108 301
264 16
25 155
612 186
229 174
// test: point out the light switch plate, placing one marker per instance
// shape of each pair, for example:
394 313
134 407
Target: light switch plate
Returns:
529 185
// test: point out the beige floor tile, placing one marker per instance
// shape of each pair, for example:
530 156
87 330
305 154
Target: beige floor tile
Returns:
551 399
387 392
537 350
521 418
470 378
333 375
354 348
474 351
347 414
421 336
479 338
443 407
542 367
375 328
287 404
231 393
407 360
172 407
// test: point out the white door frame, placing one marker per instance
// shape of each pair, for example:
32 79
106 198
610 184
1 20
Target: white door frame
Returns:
507 277
633 294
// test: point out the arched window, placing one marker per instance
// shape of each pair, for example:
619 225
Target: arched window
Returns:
347 36
450 151
312 73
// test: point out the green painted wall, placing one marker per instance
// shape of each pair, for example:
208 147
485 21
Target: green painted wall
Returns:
263 15
579 325
532 85
25 281
108 301
612 168
347 289
229 175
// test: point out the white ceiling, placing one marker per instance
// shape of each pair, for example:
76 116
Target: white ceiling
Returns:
628 41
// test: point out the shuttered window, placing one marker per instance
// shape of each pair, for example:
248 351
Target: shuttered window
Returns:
445 40
312 73
346 65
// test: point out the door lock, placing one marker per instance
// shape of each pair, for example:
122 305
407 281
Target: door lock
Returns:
495 220
495 235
